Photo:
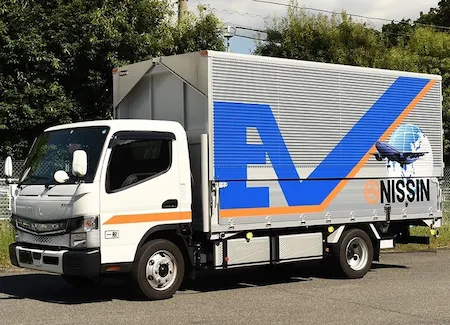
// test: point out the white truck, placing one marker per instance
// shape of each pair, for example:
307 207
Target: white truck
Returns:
219 160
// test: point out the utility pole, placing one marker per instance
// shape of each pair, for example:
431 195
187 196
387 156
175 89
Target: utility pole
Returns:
182 9
229 32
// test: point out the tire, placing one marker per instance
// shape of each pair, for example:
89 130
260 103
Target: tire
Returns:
158 270
354 253
81 282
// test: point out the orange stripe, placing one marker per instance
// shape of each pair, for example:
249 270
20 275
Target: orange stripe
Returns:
253 212
149 217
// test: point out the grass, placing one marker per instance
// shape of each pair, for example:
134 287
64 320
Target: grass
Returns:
443 241
7 236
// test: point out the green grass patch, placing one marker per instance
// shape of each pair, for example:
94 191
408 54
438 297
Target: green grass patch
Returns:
443 241
6 238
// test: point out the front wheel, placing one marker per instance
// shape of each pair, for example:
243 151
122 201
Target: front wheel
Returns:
158 270
355 253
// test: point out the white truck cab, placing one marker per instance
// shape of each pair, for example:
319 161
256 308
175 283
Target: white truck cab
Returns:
99 184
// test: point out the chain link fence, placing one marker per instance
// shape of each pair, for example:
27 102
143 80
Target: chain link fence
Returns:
18 168
4 189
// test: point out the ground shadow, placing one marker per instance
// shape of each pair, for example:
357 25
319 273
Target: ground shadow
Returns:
51 288
270 275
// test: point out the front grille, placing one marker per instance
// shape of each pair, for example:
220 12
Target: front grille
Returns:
46 240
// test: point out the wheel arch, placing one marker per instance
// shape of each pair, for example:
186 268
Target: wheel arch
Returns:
176 234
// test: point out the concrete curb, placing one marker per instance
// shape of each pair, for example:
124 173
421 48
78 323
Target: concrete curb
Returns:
431 250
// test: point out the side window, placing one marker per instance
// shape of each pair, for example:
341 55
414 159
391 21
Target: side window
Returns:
134 161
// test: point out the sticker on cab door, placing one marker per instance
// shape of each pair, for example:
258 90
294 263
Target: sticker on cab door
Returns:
111 234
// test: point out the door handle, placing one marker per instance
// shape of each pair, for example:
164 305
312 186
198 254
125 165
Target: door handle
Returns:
170 204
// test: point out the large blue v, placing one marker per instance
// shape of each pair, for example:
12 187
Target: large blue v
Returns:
232 154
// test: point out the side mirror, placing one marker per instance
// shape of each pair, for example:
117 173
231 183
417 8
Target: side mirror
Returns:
8 167
79 163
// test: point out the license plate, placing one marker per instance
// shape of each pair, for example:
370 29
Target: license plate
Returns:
25 257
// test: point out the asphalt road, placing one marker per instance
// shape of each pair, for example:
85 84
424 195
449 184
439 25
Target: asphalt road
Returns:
411 288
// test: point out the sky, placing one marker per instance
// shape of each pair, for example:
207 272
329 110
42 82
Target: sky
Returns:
249 13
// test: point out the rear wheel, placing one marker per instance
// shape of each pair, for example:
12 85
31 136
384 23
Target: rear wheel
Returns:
355 253
159 269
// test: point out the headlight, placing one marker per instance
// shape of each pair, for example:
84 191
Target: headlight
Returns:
90 224
86 235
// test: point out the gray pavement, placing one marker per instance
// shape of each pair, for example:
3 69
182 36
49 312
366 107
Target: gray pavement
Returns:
409 288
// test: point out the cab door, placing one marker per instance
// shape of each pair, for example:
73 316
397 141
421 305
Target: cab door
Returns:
139 189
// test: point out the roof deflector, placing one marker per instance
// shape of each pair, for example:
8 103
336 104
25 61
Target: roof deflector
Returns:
191 68
126 77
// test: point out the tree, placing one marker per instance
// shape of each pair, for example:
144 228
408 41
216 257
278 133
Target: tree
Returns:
437 16
56 57
335 39
398 34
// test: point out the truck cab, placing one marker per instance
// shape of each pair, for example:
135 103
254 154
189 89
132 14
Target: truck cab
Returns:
90 191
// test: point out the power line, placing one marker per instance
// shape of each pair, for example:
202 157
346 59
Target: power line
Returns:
250 28
232 12
250 37
265 31
353 15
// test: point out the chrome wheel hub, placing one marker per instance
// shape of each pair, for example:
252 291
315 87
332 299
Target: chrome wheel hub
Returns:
161 270
357 253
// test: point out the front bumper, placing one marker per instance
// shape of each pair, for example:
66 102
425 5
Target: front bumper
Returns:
70 262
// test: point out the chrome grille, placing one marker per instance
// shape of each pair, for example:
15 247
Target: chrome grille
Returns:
48 240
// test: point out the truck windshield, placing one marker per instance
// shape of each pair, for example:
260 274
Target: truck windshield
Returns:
52 151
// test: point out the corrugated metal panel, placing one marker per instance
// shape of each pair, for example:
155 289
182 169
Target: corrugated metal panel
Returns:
286 134
315 108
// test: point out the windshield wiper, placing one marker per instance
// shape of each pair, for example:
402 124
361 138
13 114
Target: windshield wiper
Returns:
33 177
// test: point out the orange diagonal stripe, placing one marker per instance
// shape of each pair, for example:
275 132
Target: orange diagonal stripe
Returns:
148 217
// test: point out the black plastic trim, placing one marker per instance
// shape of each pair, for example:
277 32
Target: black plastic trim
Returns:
140 135
224 254
13 255
71 224
170 204
86 263
178 229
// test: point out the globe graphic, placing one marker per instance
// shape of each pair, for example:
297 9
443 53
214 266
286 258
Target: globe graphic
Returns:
410 138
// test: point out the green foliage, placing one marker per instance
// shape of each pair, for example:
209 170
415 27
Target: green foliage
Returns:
339 39
319 38
56 57
439 16
397 34
198 33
